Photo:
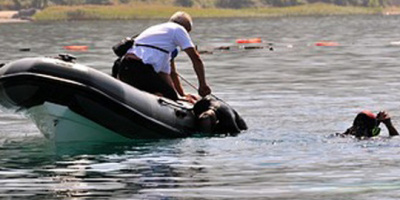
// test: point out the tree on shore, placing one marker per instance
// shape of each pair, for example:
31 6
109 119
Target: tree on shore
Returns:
39 4
21 4
17 4
234 4
81 2
184 3
283 3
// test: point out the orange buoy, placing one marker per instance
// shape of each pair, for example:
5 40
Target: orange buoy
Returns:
76 48
250 40
326 44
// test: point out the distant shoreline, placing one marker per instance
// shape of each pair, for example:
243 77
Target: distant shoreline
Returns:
128 12
392 11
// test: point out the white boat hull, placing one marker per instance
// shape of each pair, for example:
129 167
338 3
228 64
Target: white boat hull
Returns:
60 124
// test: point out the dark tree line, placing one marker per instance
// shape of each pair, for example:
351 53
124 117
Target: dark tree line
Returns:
40 4
234 4
237 4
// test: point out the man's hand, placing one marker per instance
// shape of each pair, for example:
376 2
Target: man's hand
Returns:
204 90
191 98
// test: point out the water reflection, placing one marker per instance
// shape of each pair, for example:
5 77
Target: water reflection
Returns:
293 99
90 170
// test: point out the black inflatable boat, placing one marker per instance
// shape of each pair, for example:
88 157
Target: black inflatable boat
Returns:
72 102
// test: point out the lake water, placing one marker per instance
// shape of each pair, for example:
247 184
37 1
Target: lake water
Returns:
293 98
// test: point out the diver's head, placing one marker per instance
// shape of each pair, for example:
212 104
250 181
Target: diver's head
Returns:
207 121
365 125
183 19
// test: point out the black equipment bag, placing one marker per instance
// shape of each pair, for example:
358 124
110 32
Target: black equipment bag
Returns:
122 47
116 67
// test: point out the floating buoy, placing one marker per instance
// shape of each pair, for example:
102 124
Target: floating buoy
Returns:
76 48
250 40
396 43
254 47
25 49
326 44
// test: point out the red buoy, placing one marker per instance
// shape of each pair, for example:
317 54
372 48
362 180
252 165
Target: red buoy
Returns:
250 40
326 44
76 48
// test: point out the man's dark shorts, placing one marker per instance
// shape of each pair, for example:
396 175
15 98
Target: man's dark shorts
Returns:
142 76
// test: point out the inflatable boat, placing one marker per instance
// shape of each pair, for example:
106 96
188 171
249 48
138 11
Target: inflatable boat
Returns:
72 102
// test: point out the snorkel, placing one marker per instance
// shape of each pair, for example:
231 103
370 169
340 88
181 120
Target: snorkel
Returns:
375 131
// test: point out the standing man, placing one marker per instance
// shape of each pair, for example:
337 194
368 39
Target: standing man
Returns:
149 64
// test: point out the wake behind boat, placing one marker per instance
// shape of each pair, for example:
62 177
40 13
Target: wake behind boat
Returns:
72 102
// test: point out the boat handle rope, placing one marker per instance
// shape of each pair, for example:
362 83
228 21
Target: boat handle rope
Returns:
194 87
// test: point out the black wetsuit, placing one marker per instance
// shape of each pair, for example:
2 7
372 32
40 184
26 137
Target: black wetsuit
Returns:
229 120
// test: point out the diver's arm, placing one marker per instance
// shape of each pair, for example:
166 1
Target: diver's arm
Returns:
384 117
348 131
392 130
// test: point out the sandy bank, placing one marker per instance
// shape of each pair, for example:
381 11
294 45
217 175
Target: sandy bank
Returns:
6 17
7 14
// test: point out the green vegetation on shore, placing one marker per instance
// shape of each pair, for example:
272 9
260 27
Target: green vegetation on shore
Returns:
144 11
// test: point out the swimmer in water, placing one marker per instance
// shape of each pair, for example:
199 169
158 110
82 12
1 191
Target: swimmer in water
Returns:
214 115
366 125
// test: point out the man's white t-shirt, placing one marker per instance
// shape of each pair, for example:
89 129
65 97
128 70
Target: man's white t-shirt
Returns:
167 36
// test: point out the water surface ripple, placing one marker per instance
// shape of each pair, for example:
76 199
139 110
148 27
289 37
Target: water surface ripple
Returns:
293 99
